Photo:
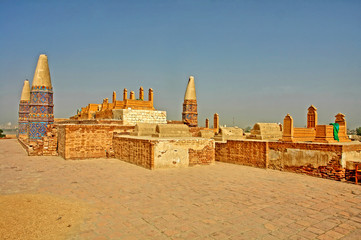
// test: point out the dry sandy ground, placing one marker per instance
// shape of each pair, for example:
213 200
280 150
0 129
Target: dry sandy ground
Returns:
39 216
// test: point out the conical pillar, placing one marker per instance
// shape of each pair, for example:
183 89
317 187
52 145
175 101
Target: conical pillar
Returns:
24 110
190 112
41 100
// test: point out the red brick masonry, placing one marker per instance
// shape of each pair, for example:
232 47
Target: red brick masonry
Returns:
317 159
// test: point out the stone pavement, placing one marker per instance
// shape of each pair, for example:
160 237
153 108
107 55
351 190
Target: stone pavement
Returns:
222 201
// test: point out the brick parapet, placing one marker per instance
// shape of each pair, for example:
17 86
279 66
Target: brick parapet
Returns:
154 153
136 151
80 141
316 159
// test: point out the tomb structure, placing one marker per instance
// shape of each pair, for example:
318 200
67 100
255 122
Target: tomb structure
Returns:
130 111
24 111
41 101
171 146
229 133
266 131
314 132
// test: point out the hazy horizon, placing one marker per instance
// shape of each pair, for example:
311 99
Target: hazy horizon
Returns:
253 61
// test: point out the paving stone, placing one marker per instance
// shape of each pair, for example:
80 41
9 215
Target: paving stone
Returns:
222 201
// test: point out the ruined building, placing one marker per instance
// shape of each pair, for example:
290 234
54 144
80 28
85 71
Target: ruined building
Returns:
130 110
315 132
132 130
24 110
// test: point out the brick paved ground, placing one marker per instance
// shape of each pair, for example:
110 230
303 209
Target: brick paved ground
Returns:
222 201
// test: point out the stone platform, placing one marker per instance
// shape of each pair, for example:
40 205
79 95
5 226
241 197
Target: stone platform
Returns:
155 152
221 201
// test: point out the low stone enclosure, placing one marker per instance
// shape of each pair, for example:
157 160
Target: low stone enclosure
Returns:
155 146
334 161
155 153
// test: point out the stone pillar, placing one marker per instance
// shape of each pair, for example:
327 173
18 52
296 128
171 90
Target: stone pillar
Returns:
190 111
125 94
141 93
150 95
114 97
340 119
312 117
24 111
288 129
216 122
207 123
41 101
132 95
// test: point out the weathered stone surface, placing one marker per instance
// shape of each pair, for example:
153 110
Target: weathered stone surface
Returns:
25 93
172 130
266 131
155 153
144 129
132 116
229 133
42 73
316 159
207 133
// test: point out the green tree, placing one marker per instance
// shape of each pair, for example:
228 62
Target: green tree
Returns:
1 134
358 131
247 129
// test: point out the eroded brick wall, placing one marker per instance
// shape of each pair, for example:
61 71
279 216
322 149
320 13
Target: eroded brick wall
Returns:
79 141
136 151
249 153
203 156
316 159
154 153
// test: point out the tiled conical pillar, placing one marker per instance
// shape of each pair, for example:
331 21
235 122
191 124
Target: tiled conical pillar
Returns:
41 100
190 112
24 110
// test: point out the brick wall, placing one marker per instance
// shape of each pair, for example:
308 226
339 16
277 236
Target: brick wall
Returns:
154 153
136 151
79 141
316 159
203 156
249 153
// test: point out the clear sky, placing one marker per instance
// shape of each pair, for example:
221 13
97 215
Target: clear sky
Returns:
253 61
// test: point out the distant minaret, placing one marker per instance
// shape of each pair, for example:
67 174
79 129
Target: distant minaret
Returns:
190 112
24 110
41 100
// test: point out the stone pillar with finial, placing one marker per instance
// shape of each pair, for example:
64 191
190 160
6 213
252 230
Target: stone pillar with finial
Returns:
41 101
24 110
190 111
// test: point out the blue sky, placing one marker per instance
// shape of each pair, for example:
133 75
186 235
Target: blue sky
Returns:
253 61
